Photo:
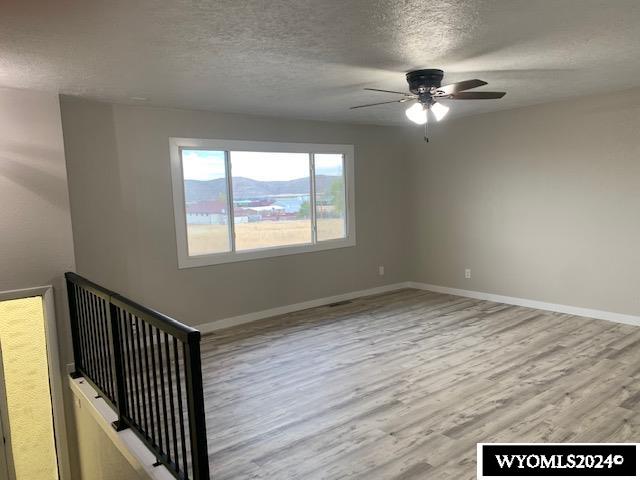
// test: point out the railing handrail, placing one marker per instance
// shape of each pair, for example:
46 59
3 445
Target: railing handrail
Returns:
101 344
89 285
159 320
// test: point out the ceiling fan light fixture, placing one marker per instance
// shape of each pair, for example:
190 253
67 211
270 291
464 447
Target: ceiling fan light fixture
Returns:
417 113
426 88
439 110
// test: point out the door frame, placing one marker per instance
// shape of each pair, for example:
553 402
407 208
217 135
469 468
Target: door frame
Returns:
55 373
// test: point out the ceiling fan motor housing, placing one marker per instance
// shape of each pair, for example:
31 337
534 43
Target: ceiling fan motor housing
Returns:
422 81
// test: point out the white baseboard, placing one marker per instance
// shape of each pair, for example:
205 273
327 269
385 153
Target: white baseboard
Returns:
523 302
272 312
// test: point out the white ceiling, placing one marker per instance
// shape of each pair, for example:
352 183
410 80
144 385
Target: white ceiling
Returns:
311 58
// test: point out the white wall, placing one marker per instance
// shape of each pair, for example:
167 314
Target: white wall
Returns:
541 203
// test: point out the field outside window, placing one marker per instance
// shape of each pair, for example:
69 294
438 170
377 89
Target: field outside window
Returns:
241 204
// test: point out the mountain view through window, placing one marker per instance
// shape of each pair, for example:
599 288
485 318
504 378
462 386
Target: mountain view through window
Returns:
271 199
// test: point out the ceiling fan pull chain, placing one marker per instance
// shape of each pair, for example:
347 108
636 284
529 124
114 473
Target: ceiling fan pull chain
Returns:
426 136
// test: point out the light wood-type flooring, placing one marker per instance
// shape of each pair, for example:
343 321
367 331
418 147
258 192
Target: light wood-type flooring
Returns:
403 385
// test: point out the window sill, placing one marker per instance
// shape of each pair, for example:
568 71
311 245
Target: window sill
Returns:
228 257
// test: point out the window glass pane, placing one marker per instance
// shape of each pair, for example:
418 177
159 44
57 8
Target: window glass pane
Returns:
271 194
330 196
205 196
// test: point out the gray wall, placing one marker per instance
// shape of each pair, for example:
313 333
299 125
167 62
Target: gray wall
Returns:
36 244
541 203
121 203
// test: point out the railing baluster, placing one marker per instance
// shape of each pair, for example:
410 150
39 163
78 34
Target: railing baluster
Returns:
91 361
117 366
136 377
105 346
148 375
112 347
91 324
127 355
99 340
82 334
180 410
171 402
90 335
164 393
121 348
139 374
195 398
155 385
75 330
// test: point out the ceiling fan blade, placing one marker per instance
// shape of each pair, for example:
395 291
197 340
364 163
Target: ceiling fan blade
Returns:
387 91
402 100
475 95
459 87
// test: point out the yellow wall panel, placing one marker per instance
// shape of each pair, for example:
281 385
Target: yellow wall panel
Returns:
24 358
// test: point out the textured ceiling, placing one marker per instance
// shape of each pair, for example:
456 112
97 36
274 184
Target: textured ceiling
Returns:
311 58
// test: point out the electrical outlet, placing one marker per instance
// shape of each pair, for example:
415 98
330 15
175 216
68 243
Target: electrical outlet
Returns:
467 273
381 270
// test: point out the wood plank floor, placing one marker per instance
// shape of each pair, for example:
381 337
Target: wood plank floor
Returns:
403 385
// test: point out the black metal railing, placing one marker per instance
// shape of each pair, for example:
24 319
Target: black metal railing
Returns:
147 367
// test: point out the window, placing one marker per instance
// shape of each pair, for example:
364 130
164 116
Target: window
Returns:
237 200
271 197
206 201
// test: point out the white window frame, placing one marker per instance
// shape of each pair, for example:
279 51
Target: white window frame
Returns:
177 179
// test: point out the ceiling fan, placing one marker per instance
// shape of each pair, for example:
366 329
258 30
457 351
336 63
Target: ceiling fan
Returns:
425 87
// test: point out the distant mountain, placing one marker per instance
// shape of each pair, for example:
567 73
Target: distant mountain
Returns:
198 190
